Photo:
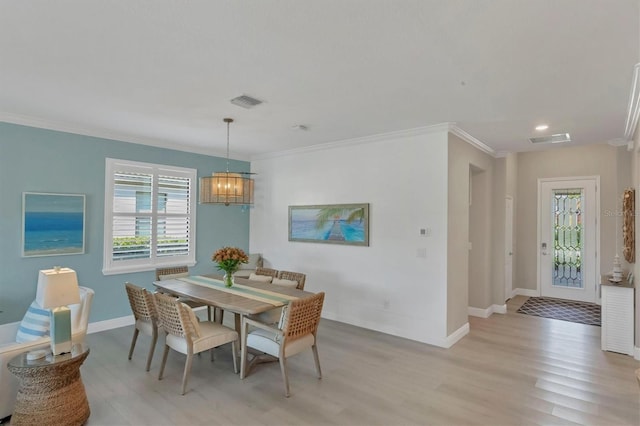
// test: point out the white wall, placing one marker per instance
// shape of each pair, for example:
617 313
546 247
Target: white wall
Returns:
387 286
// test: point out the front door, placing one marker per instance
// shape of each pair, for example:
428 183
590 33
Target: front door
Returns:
568 238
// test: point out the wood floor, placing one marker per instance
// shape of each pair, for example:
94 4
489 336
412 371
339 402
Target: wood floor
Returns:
510 369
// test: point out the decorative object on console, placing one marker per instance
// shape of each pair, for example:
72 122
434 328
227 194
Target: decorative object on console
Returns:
616 275
332 223
227 187
628 225
229 260
57 288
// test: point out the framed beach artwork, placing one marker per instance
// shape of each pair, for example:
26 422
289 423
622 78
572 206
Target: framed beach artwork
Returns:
53 224
330 223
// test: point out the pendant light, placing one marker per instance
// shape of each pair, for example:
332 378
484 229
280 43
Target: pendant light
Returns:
227 187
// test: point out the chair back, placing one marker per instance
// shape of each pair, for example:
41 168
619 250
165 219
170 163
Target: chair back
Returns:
175 317
302 317
293 276
267 271
142 304
80 312
171 271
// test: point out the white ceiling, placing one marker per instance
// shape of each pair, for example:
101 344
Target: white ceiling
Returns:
163 71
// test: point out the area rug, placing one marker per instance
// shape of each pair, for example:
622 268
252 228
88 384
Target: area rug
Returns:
565 310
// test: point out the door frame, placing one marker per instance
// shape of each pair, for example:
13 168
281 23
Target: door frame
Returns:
539 232
508 251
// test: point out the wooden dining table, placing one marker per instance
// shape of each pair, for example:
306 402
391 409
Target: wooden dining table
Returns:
227 301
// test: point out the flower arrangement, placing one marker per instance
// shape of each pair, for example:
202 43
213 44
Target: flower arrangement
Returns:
229 260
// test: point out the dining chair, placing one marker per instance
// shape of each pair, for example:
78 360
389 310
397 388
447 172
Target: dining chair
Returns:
292 276
296 332
186 335
146 318
267 271
182 271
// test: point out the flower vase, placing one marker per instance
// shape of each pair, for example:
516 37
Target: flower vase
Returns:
228 279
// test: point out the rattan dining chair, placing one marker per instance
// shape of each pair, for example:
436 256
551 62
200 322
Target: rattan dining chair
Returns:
146 318
179 272
297 331
186 335
267 271
293 276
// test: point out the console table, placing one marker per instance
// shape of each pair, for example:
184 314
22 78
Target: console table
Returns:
617 316
51 391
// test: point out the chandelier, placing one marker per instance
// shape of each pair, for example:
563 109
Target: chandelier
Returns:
227 187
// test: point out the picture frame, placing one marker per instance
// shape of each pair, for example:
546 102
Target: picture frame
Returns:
346 224
53 224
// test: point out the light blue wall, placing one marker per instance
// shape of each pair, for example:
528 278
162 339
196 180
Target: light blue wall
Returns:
37 160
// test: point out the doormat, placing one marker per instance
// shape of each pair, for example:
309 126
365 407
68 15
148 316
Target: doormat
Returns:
565 310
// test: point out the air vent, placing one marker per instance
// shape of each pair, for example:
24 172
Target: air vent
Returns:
558 138
245 101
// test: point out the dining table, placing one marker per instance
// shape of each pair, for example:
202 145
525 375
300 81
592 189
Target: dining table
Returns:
245 297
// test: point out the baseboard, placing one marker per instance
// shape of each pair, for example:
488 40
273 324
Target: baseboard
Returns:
478 312
96 327
454 337
500 309
525 292
486 313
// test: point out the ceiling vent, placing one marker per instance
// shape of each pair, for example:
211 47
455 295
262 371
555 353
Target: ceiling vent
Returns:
558 138
246 101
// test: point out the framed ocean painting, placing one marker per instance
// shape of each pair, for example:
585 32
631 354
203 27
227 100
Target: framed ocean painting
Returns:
331 223
53 224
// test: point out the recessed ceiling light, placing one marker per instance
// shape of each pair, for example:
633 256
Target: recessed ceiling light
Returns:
542 127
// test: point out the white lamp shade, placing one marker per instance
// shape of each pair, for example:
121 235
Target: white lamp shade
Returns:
57 287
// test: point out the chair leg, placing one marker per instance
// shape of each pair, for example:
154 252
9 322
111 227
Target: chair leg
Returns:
283 368
234 352
211 350
187 369
154 339
164 361
243 351
210 313
317 360
133 342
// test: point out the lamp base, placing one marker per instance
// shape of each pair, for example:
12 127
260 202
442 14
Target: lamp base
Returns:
60 330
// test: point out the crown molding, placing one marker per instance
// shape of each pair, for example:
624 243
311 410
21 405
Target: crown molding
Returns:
633 108
416 131
471 140
60 126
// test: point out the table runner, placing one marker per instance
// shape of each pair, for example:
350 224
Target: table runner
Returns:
266 296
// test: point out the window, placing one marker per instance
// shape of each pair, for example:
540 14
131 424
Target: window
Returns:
149 216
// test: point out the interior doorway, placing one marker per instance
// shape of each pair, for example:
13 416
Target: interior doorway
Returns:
568 238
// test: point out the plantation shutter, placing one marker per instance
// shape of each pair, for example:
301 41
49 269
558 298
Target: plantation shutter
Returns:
173 216
132 219
151 212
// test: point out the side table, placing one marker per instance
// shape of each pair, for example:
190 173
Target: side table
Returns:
51 391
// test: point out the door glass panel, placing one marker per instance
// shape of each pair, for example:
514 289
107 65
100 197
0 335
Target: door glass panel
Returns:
568 237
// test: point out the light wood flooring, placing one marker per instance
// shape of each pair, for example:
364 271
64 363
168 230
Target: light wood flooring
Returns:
510 369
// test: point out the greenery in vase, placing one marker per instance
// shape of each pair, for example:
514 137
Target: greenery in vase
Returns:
229 259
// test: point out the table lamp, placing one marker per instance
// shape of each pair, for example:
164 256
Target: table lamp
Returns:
57 288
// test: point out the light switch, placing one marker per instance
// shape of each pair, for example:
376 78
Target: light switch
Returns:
425 232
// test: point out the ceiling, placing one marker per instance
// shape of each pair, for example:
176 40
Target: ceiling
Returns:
162 72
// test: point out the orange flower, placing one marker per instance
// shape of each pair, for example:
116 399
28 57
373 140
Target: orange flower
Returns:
229 259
